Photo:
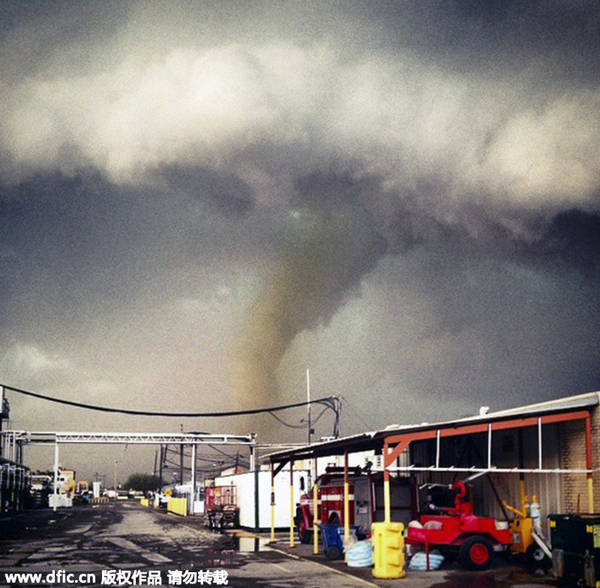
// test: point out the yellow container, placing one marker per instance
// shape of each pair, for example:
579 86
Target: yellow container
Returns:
520 530
388 550
177 506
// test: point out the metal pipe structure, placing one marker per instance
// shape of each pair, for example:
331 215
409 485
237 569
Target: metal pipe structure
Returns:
38 437
492 470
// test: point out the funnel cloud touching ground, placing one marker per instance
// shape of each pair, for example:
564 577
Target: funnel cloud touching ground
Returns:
200 201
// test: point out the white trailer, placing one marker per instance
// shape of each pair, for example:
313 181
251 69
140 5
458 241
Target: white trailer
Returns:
253 491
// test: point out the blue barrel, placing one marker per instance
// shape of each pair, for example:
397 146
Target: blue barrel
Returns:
333 539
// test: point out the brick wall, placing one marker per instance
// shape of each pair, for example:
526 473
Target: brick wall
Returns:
575 490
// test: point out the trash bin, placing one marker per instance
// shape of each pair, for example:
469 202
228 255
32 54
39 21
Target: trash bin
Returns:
333 539
576 548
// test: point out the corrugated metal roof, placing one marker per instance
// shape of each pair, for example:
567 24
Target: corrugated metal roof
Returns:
373 440
561 405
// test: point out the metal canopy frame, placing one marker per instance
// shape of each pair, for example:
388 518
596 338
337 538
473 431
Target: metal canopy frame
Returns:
16 440
43 437
396 444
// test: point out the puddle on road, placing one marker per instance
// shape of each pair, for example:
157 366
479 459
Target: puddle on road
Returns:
227 552
249 544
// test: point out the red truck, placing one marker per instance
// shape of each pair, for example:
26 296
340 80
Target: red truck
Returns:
221 507
330 504
366 504
457 530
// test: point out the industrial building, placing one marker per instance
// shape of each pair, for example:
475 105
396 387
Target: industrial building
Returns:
550 450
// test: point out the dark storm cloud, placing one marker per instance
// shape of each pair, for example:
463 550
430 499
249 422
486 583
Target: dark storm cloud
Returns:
218 195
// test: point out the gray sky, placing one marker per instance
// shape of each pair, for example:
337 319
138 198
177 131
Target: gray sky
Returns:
202 200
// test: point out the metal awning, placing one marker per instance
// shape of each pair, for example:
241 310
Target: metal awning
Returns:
512 418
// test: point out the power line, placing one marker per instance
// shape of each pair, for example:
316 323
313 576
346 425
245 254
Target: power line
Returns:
304 424
184 415
357 413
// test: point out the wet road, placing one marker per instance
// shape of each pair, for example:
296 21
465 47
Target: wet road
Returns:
124 544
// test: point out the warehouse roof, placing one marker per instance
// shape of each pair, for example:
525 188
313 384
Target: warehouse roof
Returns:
374 440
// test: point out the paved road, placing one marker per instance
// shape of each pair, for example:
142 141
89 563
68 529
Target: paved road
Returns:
125 544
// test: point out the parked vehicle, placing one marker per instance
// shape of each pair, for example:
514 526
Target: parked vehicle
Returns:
457 531
330 504
221 507
365 493
41 484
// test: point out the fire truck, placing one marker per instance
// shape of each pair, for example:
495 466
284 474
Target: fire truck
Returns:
365 500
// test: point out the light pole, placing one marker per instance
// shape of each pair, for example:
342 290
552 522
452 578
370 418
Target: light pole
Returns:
115 474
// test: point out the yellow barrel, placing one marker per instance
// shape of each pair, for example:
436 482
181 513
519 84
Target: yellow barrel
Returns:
388 550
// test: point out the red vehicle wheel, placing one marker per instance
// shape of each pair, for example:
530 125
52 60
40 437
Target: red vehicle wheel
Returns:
305 535
476 553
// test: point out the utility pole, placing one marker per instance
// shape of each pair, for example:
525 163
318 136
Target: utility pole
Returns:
160 471
181 464
310 431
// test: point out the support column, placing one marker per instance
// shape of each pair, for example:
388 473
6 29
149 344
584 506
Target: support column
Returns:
194 481
292 505
489 451
540 452
589 463
522 495
252 458
256 475
56 456
272 503
160 470
346 499
181 462
386 486
315 509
